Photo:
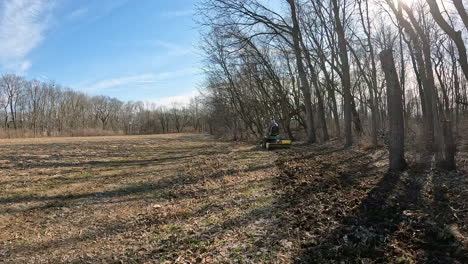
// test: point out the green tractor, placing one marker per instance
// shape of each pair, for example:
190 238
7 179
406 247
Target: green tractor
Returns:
273 140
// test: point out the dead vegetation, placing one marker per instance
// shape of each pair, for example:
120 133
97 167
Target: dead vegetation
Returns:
346 208
190 199
156 199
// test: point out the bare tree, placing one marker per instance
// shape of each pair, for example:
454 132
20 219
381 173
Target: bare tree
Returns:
12 86
305 86
395 112
102 109
345 78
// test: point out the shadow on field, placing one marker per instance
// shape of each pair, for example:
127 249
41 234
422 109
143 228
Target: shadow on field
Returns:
151 221
34 162
77 154
160 187
167 249
364 216
223 173
67 199
330 206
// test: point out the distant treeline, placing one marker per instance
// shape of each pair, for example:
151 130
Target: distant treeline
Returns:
35 108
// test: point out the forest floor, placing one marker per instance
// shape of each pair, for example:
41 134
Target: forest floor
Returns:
190 199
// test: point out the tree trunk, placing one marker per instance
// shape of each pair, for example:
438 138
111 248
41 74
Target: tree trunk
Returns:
395 112
424 66
331 95
430 88
372 83
334 107
321 114
450 149
456 84
320 105
287 127
346 78
296 35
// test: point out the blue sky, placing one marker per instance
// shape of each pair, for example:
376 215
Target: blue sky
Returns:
130 49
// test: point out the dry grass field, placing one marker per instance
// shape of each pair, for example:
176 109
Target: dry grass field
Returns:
190 199
132 199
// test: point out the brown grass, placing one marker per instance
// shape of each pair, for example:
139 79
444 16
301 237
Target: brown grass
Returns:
185 198
82 132
166 198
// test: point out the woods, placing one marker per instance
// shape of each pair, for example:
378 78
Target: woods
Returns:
310 65
37 109
313 66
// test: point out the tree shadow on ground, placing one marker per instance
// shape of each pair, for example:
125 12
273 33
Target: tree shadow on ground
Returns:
378 217
223 173
348 213
34 162
160 186
174 245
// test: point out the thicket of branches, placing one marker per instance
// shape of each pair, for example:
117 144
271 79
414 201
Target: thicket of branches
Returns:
314 65
34 108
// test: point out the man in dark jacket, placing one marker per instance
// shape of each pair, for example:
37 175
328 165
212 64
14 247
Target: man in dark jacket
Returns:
273 130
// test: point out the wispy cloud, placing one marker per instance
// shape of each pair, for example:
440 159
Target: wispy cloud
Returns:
139 80
123 81
97 10
22 27
174 49
168 48
177 100
177 13
78 13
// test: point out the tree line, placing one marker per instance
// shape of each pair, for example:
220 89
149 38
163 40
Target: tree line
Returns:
340 68
36 108
352 70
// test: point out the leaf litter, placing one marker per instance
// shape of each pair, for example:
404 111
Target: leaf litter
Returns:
190 199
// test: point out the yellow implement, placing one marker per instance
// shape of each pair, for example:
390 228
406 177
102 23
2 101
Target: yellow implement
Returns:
278 144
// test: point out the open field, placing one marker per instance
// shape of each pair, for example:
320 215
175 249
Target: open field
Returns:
189 199
155 198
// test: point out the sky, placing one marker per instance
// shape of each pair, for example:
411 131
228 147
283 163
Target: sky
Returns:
134 50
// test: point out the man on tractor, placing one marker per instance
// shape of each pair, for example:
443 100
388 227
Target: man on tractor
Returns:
272 134
272 138
273 130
